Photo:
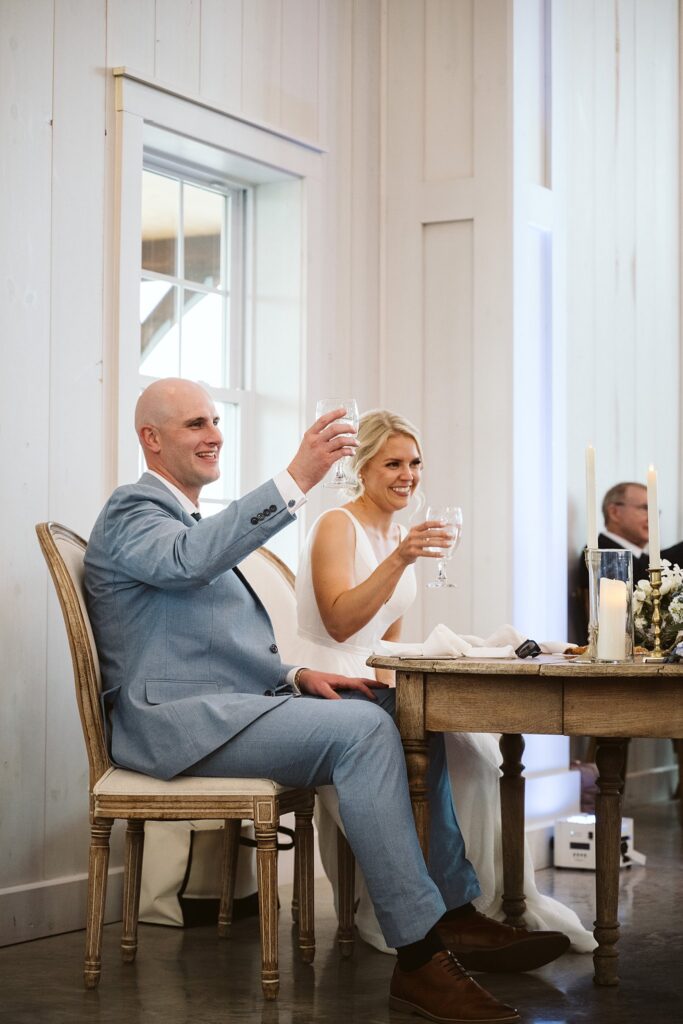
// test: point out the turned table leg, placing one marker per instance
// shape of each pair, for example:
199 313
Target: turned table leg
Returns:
410 722
609 757
512 822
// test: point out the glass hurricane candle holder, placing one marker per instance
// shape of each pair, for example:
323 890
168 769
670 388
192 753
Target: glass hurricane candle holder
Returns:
610 604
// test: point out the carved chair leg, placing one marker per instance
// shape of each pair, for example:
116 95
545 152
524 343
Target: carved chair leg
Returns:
346 884
132 874
265 826
303 841
98 864
231 838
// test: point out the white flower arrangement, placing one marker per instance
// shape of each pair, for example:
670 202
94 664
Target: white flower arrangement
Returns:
671 607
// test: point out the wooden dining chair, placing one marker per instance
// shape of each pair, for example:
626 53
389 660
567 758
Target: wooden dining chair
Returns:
119 793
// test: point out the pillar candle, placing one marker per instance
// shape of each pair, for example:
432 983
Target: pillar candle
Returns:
653 519
591 523
612 620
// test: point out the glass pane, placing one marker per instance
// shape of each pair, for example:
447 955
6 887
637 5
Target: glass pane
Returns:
160 218
225 488
203 220
202 338
159 335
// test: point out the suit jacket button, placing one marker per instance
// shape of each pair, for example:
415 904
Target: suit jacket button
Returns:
272 508
254 521
273 648
268 693
266 511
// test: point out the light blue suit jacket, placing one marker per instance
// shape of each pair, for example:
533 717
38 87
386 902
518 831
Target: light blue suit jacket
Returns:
186 648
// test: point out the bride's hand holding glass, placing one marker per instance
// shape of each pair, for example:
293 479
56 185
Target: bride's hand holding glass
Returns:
450 517
425 540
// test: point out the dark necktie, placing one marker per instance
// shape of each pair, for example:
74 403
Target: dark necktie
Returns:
196 515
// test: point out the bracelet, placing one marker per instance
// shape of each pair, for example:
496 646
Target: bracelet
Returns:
297 677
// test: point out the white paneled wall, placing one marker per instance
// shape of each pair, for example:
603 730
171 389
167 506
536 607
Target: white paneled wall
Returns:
25 271
433 116
345 357
448 269
303 68
620 124
622 313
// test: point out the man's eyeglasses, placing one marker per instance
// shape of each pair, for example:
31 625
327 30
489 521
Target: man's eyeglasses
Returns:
638 508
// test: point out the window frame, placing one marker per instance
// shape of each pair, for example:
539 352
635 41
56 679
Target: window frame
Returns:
254 154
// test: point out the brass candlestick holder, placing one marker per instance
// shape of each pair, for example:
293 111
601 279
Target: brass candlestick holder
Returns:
656 583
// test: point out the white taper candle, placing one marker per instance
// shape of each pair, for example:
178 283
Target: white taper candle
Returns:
653 519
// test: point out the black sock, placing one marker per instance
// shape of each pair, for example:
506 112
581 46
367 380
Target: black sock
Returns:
417 954
458 913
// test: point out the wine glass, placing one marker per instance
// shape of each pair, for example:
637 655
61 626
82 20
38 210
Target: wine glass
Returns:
451 516
324 405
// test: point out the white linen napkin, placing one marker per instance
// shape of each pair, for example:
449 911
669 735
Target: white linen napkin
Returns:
442 642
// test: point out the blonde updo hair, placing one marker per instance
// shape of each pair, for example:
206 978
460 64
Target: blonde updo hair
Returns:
374 430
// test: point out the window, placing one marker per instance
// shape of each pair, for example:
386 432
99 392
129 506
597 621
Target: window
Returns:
192 298
216 229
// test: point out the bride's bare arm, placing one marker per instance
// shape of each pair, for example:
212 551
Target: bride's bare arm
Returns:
345 607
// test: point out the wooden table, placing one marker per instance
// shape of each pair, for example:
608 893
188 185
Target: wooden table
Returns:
548 695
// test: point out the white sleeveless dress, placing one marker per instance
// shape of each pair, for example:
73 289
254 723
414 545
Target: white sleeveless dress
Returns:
473 759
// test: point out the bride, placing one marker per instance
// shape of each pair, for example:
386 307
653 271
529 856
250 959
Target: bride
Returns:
356 579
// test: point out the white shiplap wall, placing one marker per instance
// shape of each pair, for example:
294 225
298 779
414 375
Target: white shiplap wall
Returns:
621 135
448 266
412 101
295 65
623 249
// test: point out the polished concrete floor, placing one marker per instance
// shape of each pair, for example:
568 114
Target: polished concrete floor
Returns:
183 976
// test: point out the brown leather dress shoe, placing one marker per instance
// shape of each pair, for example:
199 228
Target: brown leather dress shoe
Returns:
444 992
481 944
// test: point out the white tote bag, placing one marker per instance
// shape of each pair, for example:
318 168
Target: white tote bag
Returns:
181 873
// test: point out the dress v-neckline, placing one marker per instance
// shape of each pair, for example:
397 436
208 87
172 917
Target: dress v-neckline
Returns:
359 527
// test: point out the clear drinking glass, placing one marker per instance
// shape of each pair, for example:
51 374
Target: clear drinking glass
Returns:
324 405
451 516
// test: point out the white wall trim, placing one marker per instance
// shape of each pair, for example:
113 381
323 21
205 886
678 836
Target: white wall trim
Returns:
138 77
53 906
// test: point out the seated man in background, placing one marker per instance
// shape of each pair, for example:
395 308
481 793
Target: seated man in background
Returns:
624 509
195 684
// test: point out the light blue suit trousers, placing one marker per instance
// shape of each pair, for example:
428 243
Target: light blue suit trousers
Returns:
354 745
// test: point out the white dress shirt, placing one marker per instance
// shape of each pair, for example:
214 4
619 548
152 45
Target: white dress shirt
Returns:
623 543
